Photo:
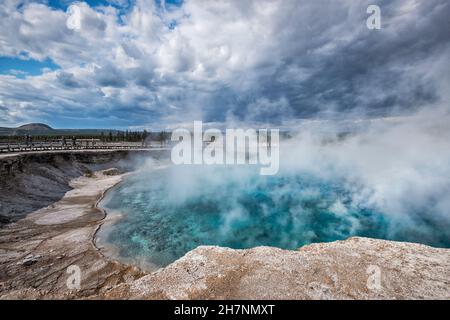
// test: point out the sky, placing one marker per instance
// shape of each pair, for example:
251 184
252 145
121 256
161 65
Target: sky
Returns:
159 64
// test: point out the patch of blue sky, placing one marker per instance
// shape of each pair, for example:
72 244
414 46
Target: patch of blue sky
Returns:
64 4
169 3
119 4
25 67
123 6
172 24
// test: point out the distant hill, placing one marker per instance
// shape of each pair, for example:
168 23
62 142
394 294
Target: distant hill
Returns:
35 127
31 129
42 129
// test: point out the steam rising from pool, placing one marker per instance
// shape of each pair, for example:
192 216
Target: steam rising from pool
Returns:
391 181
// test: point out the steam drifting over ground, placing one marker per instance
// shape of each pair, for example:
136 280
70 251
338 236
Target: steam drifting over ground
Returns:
400 167
389 179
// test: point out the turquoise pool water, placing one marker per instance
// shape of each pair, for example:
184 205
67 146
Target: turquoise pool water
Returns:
169 211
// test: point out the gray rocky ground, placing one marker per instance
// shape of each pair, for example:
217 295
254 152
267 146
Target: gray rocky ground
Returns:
36 252
30 181
357 268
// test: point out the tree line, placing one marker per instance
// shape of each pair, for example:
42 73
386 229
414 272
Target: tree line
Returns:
104 136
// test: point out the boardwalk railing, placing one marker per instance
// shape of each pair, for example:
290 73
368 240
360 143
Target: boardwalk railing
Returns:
50 146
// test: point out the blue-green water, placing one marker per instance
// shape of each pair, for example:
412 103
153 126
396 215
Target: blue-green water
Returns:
169 211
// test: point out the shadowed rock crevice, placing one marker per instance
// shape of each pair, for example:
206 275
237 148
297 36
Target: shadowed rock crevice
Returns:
29 182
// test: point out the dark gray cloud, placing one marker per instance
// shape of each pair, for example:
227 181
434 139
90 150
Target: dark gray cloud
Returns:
109 76
377 73
68 79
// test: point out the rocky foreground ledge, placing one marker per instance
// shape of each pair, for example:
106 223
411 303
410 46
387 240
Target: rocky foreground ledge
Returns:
357 268
37 253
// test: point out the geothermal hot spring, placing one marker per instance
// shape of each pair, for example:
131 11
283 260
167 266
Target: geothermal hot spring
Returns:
318 196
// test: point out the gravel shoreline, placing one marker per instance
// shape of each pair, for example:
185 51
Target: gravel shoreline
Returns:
36 252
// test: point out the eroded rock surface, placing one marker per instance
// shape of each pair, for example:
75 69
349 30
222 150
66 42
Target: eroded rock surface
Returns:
36 252
31 181
112 172
338 270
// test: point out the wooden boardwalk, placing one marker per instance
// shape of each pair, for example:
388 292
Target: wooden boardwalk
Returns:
45 146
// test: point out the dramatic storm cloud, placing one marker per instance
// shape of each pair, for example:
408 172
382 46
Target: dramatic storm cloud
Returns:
158 63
